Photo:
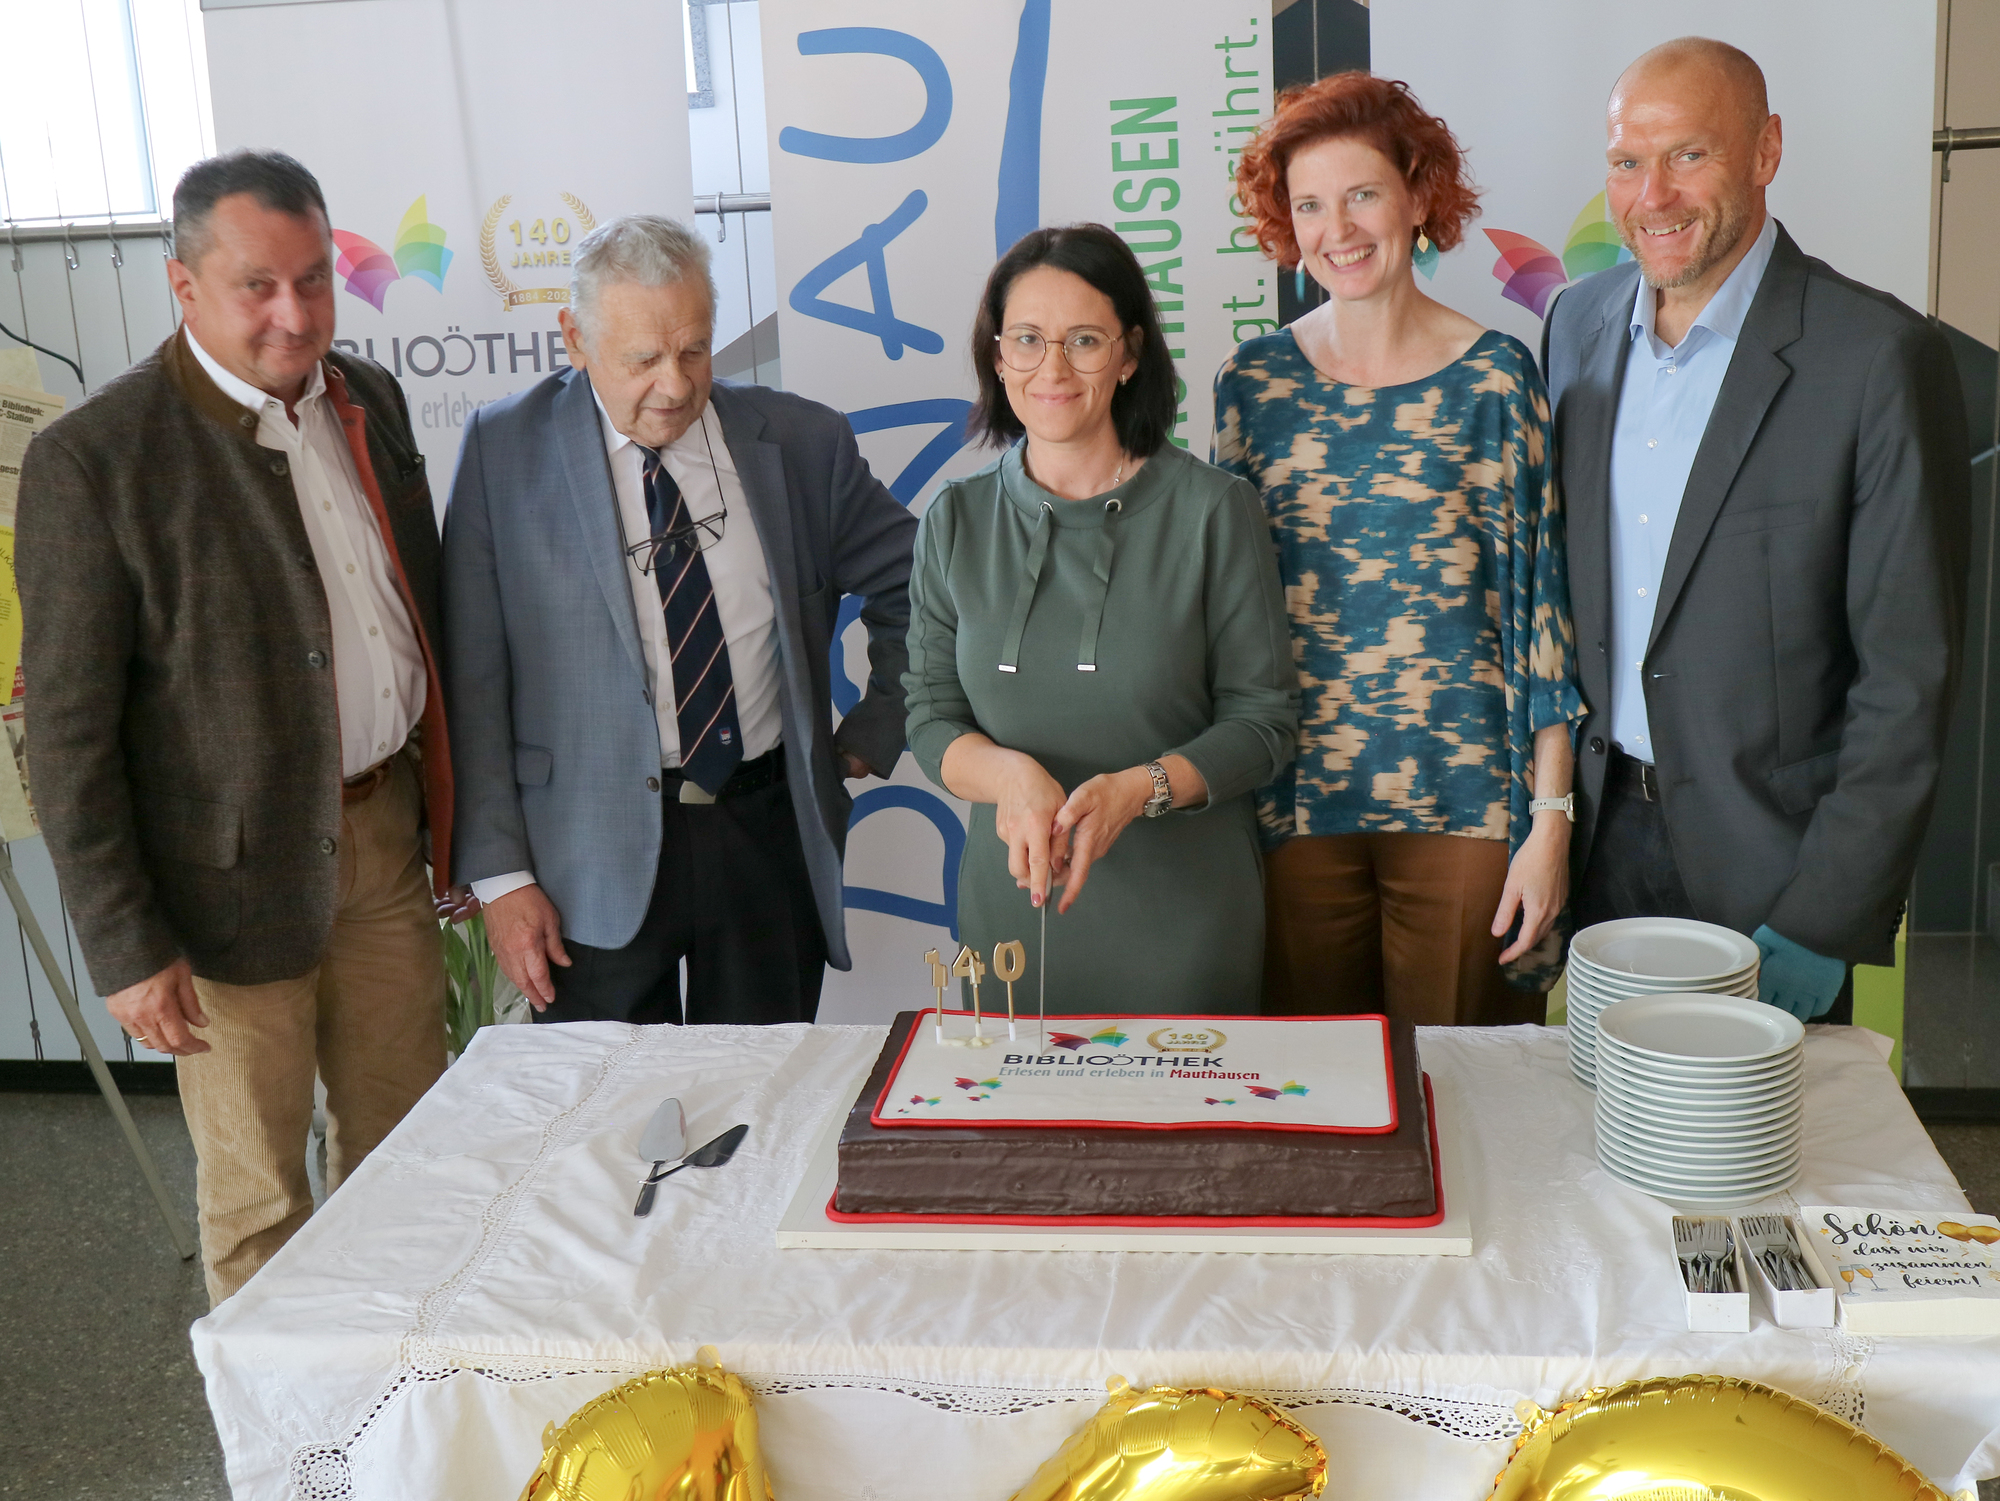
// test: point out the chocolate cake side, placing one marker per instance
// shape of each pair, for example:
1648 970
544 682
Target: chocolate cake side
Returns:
1062 1171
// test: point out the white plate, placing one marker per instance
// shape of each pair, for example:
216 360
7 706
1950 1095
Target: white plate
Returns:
1646 1123
1716 1028
1666 948
1726 1199
1686 1076
1683 1120
1662 1153
1647 1073
1647 1098
1677 1175
1590 977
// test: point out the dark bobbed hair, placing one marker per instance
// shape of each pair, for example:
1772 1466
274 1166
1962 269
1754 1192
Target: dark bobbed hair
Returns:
278 182
1384 113
1143 408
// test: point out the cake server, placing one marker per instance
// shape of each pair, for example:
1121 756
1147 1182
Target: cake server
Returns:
714 1154
665 1138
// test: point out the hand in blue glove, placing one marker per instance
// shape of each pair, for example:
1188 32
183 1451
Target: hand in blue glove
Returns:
1794 978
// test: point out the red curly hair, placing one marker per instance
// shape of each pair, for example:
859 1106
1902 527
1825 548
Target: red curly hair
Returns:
1384 113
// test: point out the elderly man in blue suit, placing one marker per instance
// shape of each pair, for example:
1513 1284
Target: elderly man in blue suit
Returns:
642 571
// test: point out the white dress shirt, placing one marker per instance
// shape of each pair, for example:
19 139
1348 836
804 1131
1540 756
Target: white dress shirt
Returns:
379 681
701 465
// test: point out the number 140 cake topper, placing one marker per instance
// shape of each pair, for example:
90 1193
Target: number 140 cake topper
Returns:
1010 961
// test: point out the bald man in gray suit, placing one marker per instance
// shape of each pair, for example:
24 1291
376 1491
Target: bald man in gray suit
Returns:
1765 471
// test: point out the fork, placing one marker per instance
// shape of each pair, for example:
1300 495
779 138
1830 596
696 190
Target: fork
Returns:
1703 1247
1769 1238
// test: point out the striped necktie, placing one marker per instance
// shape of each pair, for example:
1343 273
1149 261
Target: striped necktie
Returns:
704 691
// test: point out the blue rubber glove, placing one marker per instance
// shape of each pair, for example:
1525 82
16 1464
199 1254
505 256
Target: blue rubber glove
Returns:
1794 978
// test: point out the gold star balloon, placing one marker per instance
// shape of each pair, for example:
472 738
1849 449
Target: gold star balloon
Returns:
1161 1443
1701 1438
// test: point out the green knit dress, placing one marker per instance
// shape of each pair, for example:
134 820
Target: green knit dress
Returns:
1096 635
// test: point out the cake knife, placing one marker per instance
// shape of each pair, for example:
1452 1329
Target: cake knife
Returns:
1042 979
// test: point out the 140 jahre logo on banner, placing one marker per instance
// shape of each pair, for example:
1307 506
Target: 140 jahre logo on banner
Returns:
537 244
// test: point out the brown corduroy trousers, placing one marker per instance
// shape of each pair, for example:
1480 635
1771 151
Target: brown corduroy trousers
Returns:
369 1019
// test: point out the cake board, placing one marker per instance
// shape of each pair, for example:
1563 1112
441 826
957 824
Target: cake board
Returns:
805 1224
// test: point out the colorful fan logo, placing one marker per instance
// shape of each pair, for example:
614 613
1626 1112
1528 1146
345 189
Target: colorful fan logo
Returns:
1265 1092
1110 1037
971 1084
1213 1101
1531 274
370 269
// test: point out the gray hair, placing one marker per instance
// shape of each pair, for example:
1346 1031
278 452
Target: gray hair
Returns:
643 249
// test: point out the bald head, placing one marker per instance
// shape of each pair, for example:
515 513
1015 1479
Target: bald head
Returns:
1690 146
1702 67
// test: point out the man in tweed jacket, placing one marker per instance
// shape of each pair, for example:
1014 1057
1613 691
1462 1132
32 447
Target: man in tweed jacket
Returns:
228 573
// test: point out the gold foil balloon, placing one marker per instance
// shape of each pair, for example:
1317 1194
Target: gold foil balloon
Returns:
1701 1438
688 1434
1164 1444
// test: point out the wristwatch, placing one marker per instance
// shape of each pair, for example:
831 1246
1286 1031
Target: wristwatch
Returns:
1163 795
1566 805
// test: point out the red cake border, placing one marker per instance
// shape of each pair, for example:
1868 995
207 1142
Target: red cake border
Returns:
876 1118
1185 1221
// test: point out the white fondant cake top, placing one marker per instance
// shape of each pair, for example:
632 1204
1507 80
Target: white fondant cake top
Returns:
1163 1072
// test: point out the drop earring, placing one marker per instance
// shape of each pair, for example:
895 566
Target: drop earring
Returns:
1423 241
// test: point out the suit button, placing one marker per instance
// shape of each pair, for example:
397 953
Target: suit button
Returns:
327 846
1597 744
652 784
280 468
248 419
316 658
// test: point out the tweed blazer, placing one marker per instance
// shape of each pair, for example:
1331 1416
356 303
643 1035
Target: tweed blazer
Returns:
183 736
1810 620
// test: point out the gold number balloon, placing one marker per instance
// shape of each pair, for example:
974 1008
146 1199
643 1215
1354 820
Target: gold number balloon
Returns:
1164 1444
687 1434
1702 1438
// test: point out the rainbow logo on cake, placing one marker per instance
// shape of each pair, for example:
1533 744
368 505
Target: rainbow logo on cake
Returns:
1266 1092
1110 1037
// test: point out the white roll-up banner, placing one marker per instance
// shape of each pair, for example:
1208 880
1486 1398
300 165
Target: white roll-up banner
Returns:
463 150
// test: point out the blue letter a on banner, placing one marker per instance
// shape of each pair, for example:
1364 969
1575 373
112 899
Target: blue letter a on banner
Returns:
880 320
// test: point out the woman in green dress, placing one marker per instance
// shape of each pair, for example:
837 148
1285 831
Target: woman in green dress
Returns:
1099 656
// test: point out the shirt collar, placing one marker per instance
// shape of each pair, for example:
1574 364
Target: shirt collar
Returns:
241 391
1726 310
615 441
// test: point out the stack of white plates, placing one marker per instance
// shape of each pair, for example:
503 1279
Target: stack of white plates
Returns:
1700 1097
1637 956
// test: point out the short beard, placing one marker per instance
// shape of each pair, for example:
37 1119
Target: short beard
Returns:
1732 219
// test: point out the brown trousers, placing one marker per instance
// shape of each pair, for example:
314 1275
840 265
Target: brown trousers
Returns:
369 1019
1395 923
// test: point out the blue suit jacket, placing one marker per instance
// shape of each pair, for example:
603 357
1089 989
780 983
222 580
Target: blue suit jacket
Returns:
553 733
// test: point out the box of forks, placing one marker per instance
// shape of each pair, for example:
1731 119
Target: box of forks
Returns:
1710 1260
1791 1284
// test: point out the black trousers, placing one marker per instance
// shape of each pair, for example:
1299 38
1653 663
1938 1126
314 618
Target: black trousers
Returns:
732 897
1632 872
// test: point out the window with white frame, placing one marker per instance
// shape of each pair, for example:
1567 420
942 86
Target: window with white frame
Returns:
109 110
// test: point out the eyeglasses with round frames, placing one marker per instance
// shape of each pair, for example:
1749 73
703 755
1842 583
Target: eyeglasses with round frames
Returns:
1088 350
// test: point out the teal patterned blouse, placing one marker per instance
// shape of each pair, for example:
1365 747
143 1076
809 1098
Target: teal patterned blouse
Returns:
1421 547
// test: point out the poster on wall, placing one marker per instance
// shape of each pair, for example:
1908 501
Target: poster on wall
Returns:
456 211
25 409
910 146
1527 103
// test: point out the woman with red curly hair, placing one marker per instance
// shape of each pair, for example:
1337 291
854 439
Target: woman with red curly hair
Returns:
1421 839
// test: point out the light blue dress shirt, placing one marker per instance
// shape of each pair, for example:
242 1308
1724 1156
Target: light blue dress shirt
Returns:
1662 413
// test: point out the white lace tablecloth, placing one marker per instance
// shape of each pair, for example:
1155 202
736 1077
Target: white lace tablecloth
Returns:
482 1275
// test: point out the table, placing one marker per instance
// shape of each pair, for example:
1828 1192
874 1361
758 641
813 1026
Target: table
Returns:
482 1275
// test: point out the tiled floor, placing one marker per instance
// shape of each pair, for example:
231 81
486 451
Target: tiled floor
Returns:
99 1396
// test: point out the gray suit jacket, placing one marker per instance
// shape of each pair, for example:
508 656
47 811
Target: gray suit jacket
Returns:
542 657
1808 631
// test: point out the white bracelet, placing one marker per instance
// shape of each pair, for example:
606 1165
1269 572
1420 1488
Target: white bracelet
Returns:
1566 805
